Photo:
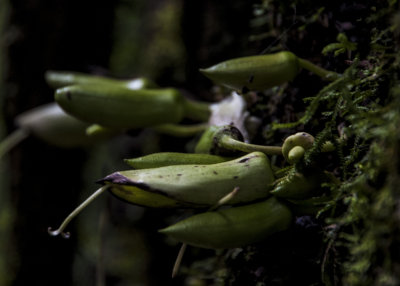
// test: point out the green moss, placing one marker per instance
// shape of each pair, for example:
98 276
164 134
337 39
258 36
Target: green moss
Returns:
359 112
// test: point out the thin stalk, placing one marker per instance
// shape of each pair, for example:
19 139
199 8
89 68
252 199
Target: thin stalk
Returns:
228 142
323 73
12 140
181 130
179 259
74 213
197 110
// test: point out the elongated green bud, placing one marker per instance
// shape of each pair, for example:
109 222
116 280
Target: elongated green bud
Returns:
52 125
233 227
57 79
301 139
117 107
255 72
198 185
173 158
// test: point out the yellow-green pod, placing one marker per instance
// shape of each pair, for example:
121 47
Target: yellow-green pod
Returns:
233 227
255 72
52 125
208 142
301 139
201 185
57 79
174 158
143 197
117 107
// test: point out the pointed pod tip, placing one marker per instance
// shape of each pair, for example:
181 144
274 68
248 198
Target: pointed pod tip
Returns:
116 178
205 71
171 229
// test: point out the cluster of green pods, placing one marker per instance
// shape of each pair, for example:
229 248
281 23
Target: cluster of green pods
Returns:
259 204
90 108
233 182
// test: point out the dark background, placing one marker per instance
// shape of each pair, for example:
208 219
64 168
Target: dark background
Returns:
46 182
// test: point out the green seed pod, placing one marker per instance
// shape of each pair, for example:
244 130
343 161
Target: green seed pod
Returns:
52 125
233 227
117 107
255 72
201 185
208 143
302 139
297 186
57 79
172 158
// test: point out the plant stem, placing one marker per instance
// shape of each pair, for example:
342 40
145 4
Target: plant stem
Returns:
229 143
323 73
178 260
197 110
74 213
180 130
12 140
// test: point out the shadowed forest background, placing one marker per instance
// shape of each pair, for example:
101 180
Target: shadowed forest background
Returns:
354 240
